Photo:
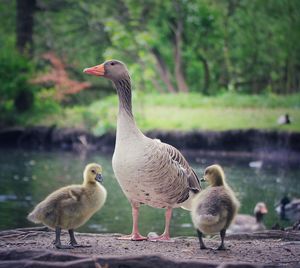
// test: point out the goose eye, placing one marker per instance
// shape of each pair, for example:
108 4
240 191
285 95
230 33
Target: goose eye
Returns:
112 63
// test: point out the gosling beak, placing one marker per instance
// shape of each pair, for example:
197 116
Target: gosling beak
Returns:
97 70
99 178
202 179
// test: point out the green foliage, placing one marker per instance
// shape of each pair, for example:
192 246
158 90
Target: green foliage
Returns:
244 46
223 47
17 95
21 102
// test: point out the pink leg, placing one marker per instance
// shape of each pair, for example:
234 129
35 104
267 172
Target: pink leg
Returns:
135 235
166 234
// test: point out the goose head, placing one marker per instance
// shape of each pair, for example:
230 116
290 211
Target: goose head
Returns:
92 173
112 69
260 210
214 175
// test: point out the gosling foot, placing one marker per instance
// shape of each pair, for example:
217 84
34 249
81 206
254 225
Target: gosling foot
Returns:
75 245
60 246
221 247
73 241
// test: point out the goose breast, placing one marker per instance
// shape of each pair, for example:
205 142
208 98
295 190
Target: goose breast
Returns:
148 173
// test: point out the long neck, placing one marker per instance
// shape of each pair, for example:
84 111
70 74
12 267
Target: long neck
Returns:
126 125
123 87
259 217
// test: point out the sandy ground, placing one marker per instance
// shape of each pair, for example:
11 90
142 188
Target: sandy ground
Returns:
273 248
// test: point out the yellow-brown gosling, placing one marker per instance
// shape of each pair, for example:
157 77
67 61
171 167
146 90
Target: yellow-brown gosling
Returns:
214 208
71 206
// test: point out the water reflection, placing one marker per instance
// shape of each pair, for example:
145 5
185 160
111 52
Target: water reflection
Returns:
27 177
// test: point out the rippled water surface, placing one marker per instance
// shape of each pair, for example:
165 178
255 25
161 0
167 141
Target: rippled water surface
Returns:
27 177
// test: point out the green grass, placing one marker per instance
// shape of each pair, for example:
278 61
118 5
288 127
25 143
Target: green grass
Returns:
222 118
195 100
185 112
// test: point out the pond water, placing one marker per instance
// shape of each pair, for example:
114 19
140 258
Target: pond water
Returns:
26 177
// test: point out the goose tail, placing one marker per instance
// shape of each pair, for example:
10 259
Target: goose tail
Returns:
187 205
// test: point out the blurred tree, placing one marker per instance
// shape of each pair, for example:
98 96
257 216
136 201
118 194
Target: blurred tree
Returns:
24 25
170 46
59 77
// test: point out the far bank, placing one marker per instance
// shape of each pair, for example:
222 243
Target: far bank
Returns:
278 145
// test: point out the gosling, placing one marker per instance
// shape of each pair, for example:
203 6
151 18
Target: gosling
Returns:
72 206
214 208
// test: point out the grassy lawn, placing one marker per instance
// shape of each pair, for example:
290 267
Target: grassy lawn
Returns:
220 118
185 112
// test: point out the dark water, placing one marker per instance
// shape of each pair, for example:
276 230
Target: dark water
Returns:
28 177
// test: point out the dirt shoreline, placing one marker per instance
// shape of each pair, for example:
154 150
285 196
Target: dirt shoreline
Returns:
32 247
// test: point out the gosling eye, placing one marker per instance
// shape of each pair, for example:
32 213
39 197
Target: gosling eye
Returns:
93 171
112 63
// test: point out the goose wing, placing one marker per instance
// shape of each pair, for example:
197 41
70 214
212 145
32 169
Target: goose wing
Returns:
181 163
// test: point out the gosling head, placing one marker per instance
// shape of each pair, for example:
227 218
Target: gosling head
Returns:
92 173
214 175
111 69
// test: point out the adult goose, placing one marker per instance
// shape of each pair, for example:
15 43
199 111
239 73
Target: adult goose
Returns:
289 209
244 223
149 171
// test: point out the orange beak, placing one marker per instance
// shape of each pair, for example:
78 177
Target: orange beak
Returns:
97 70
264 210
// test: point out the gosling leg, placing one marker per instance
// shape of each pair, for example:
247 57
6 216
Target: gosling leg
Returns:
57 241
73 241
222 234
202 246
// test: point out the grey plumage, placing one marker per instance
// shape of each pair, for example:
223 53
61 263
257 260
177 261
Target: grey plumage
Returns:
246 223
149 171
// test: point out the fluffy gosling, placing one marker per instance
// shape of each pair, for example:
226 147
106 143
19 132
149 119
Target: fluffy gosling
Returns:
71 206
214 208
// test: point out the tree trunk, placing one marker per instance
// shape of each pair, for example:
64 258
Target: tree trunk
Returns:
231 8
181 84
206 83
24 25
228 65
163 70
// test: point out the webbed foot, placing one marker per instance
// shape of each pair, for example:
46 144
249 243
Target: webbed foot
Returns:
60 246
80 246
160 238
222 247
133 237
